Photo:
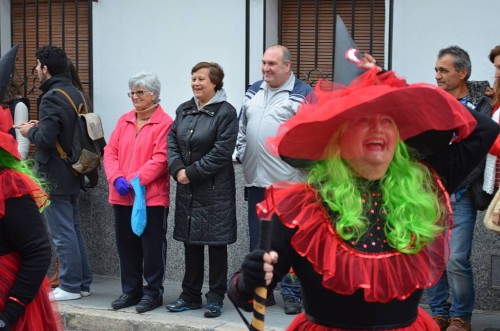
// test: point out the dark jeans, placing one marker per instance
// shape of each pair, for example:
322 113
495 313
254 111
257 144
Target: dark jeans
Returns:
195 267
457 281
62 216
142 255
254 195
290 285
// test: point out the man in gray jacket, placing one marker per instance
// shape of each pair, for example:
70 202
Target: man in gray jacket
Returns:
267 104
56 123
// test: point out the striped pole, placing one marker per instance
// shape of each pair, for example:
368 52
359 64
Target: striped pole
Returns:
259 302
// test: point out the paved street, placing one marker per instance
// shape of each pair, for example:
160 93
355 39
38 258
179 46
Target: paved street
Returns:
95 314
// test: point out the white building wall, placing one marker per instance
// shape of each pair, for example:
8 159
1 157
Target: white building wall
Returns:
169 38
272 21
256 34
5 31
256 42
423 27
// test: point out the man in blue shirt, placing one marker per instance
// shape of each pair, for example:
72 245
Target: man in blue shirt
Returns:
453 69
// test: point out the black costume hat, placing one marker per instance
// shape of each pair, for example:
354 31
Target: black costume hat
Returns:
7 62
344 72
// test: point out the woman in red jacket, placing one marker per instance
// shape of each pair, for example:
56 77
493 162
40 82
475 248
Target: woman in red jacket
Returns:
492 169
135 160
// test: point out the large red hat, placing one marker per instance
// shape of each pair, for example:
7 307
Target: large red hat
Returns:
417 109
7 141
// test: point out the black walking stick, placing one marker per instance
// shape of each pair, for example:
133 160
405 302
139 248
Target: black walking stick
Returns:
259 302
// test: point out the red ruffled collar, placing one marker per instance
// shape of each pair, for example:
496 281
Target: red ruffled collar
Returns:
383 276
14 184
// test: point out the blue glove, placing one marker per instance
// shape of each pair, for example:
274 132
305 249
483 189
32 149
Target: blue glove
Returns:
139 217
122 186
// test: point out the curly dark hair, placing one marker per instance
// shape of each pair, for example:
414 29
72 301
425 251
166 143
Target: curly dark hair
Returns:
54 58
11 94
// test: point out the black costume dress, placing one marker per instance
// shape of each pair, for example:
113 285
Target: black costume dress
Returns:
25 254
366 285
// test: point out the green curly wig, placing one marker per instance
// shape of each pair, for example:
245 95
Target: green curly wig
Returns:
8 161
409 195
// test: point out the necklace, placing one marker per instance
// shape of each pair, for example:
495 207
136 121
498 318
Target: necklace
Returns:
145 114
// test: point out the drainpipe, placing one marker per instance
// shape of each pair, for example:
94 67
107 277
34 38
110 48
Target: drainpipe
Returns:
391 27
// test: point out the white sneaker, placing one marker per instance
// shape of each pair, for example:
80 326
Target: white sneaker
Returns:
85 293
62 295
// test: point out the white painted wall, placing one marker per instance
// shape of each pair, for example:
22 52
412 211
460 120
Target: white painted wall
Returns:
272 21
256 39
5 40
257 43
169 38
423 27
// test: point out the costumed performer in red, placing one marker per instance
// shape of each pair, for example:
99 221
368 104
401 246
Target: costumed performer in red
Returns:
370 228
25 251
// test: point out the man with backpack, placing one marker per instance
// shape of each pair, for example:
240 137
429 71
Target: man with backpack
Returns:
56 124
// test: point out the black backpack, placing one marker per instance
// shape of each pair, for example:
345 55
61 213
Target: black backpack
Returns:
87 145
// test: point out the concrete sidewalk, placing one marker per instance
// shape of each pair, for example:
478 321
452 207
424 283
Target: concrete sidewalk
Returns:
94 313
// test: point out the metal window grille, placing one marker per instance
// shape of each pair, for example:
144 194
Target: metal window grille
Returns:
63 23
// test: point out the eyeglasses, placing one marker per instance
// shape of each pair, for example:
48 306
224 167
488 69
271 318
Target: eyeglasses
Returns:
138 93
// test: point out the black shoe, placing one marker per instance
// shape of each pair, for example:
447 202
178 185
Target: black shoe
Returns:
293 306
181 305
213 309
270 299
125 300
148 303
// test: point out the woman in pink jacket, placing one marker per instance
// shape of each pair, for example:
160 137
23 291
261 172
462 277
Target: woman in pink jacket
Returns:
135 161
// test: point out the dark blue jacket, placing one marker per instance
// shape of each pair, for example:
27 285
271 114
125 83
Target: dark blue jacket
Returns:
57 120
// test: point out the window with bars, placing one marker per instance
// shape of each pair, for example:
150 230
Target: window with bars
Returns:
62 23
307 29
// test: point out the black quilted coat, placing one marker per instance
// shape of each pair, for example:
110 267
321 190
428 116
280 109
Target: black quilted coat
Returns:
202 141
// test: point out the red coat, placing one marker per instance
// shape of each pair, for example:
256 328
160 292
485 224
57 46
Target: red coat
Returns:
495 148
128 154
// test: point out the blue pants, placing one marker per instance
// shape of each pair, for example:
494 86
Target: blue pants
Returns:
146 254
63 224
290 285
458 277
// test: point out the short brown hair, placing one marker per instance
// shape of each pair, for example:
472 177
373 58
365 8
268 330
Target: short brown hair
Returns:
494 52
496 86
215 73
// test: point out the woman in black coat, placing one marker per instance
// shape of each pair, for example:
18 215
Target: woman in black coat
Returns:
200 147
